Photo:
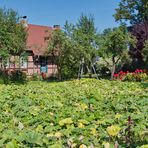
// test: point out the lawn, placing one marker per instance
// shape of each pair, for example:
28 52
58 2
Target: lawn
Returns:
74 113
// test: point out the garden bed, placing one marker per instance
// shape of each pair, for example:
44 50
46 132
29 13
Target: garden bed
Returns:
76 113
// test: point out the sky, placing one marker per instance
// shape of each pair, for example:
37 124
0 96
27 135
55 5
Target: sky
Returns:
56 12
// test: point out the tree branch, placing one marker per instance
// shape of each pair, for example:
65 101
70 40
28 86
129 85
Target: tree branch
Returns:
117 60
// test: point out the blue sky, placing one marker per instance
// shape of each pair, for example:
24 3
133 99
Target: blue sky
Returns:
51 12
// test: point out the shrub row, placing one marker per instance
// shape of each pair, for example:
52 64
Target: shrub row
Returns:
17 76
138 75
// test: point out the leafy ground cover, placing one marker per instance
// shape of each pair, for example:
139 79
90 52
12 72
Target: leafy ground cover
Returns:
86 113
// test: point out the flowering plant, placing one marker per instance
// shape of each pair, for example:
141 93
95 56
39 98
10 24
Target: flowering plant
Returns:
138 75
43 75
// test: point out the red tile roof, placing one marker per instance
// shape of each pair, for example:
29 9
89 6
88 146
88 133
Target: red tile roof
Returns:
37 39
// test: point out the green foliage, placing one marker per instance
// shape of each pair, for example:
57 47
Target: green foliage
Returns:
61 49
114 45
75 42
103 68
85 36
18 76
116 42
75 113
4 77
139 77
134 11
12 33
36 77
145 52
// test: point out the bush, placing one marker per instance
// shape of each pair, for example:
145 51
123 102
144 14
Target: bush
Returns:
36 77
18 76
4 77
137 76
68 72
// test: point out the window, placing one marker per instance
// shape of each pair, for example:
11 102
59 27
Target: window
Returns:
46 38
23 62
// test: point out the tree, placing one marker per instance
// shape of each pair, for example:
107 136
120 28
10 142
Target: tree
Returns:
56 49
133 11
115 45
145 52
140 31
12 34
85 36
60 47
70 45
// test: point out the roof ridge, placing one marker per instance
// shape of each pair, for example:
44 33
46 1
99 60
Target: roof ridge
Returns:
40 25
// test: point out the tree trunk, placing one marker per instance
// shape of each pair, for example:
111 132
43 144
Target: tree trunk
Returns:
113 68
59 73
89 72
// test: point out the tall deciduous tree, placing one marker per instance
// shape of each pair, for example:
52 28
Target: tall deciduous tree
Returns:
72 44
12 34
85 36
133 11
60 47
56 49
140 31
115 46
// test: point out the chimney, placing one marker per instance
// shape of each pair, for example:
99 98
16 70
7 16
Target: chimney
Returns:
24 23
